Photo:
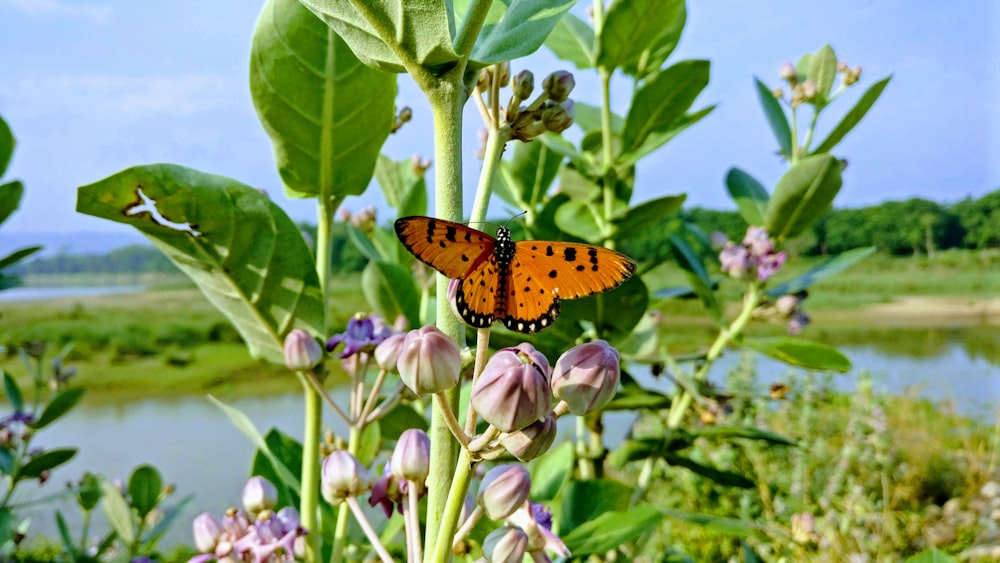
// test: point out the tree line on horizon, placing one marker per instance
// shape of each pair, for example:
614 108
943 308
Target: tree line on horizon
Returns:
899 228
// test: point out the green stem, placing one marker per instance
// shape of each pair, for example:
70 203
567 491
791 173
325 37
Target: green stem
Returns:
456 498
809 133
495 143
309 503
795 136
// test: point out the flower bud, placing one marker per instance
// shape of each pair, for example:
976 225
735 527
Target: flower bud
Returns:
558 118
506 544
531 441
301 350
735 260
259 494
503 490
387 353
343 476
523 84
786 304
429 361
586 376
758 242
411 458
558 85
513 390
206 532
787 72
808 90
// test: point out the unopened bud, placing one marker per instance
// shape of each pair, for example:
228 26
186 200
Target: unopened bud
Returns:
808 90
206 532
411 457
259 494
513 390
558 118
387 352
558 85
301 350
586 376
523 84
531 441
503 490
429 361
787 73
343 476
506 544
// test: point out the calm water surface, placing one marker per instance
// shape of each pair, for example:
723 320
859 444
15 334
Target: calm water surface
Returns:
198 450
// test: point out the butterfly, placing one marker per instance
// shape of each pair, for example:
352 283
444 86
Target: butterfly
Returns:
518 283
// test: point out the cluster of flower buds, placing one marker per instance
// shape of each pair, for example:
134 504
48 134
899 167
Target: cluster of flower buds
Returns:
552 110
755 257
514 393
787 308
254 533
364 219
849 76
802 90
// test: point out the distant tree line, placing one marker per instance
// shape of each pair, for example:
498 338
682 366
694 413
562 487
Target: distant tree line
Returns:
896 227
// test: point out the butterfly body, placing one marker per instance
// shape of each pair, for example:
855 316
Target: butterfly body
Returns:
518 283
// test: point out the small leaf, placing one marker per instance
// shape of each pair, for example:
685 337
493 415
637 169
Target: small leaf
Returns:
10 198
404 189
827 268
572 40
728 526
633 398
823 71
776 118
6 460
630 28
363 243
65 536
804 193
583 501
661 100
641 217
748 432
45 461
694 267
17 256
165 523
118 513
642 448
13 391
58 406
88 491
517 31
853 117
615 313
370 443
530 173
657 52
144 489
748 194
657 140
588 118
611 529
722 477
7 144
391 291
801 353
577 218
551 472
563 146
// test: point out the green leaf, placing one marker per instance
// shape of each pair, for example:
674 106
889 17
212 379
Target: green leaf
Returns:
88 491
588 118
388 246
370 443
45 461
166 522
827 268
932 556
658 50
822 71
551 472
243 252
7 144
632 27
722 477
728 526
10 198
611 529
17 256
6 461
750 196
640 218
517 31
12 391
656 140
572 40
400 419
804 193
748 432
643 448
694 268
288 452
144 489
633 398
852 117
661 100
563 146
776 118
801 353
391 291
58 406
326 113
118 512
245 425
577 218
528 175
363 243
584 501
404 189
423 30
65 536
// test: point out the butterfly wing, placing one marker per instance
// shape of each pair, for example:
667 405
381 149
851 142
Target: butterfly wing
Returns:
450 248
543 272
477 294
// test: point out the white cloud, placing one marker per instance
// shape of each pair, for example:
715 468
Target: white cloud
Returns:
120 96
97 13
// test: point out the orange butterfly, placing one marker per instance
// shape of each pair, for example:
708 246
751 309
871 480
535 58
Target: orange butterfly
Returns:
519 283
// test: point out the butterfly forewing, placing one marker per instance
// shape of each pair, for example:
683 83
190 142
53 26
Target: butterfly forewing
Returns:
572 270
450 248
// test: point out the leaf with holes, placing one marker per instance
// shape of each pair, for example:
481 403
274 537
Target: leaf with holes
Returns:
243 252
326 113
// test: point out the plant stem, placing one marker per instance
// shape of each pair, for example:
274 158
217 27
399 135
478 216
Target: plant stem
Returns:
308 506
456 498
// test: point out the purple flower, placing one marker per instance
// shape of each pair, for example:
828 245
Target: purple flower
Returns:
271 537
754 257
536 521
735 260
363 334
769 265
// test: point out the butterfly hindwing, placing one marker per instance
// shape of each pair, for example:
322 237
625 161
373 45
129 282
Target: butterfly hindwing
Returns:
476 298
529 305
450 248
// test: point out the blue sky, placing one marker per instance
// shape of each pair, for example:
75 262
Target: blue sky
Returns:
92 86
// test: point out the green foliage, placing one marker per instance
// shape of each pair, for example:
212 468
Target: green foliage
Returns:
10 198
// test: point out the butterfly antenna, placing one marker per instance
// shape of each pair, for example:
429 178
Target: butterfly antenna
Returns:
525 212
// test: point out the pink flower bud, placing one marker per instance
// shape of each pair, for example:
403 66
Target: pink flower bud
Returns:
787 72
301 350
523 84
207 531
586 376
258 495
558 85
503 490
531 441
558 118
429 361
343 476
513 390
387 353
506 544
411 457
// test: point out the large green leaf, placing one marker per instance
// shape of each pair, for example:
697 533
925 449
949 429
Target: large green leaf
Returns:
804 193
776 118
585 500
634 398
243 252
423 29
852 117
631 27
615 313
720 476
517 31
391 291
659 138
657 51
118 512
749 195
611 529
61 404
801 353
661 100
7 143
551 471
572 40
822 271
326 113
246 426
588 118
932 556
10 198
403 187
639 219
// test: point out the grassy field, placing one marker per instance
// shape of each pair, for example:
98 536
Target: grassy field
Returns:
171 341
